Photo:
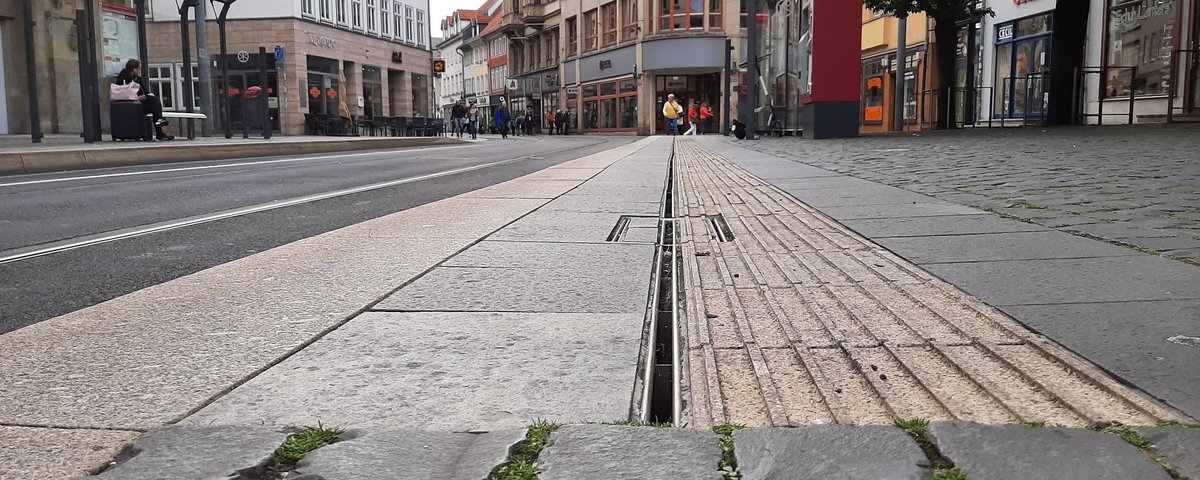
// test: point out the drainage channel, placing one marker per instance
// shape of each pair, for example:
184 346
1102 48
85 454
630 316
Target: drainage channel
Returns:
661 399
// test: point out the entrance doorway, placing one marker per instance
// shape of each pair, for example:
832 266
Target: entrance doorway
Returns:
3 87
323 94
700 88
1022 67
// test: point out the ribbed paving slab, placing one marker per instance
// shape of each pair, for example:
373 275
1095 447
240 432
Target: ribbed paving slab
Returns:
797 320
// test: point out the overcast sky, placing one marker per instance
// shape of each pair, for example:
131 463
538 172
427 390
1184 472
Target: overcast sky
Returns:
443 8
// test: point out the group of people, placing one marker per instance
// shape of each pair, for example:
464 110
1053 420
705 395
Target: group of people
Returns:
467 120
699 116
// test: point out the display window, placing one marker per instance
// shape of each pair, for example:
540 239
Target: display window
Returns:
610 106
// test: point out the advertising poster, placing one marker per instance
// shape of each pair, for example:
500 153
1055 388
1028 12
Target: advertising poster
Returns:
118 38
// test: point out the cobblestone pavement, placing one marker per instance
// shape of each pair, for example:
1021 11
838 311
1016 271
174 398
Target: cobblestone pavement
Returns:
1137 186
795 320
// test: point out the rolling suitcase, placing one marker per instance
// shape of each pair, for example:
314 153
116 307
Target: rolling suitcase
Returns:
128 121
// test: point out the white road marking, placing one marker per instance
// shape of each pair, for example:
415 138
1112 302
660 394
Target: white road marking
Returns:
227 165
106 237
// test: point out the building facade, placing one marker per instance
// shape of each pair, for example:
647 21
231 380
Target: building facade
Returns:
880 80
340 58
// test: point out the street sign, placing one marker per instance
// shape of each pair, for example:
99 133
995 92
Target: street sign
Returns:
278 54
512 84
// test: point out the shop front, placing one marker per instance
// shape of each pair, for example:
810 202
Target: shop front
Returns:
1152 51
1022 65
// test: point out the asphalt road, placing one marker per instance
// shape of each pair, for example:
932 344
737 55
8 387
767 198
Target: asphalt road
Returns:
62 209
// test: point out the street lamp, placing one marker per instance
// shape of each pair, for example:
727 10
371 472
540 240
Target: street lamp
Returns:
221 17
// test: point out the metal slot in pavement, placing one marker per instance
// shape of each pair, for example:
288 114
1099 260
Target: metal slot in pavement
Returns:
661 399
619 229
719 227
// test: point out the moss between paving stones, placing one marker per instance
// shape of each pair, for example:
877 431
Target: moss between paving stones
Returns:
728 466
522 464
943 468
1141 443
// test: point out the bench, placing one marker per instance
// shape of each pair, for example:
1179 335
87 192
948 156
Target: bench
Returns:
190 117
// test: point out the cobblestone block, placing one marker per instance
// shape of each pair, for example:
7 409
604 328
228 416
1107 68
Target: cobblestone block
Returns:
829 452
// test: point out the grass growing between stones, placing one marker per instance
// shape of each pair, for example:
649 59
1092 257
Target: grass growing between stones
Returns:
304 442
1023 203
728 467
1142 443
522 464
916 428
1034 423
636 423
949 474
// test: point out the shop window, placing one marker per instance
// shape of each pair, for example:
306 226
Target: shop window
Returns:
873 93
589 31
608 89
608 15
629 19
1138 33
628 86
629 112
572 36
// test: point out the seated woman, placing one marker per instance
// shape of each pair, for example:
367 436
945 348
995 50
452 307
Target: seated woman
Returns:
132 73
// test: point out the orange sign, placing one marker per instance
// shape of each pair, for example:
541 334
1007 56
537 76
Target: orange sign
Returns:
439 66
331 93
315 92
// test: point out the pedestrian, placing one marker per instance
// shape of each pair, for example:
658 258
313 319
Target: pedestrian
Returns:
473 118
131 74
693 117
530 121
550 120
458 119
567 122
502 119
671 111
706 118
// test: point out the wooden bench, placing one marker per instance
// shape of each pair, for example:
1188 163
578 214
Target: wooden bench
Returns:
190 117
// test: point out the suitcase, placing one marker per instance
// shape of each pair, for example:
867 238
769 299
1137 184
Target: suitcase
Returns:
128 121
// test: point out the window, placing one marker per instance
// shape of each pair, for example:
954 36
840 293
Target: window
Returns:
341 12
385 19
372 16
629 19
326 11
589 31
608 15
683 14
306 8
572 37
409 32
714 15
421 28
356 13
1141 33
162 84
182 105
398 20
762 14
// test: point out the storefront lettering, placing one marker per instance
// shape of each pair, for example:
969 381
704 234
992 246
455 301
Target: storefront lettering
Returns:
1128 17
605 64
320 41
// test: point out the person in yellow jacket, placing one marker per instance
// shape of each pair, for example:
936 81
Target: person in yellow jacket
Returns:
672 110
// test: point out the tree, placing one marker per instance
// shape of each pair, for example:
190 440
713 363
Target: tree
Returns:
947 16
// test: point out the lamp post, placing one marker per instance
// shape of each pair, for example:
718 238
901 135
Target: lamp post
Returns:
221 17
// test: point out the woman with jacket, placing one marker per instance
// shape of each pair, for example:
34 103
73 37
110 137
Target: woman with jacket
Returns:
132 73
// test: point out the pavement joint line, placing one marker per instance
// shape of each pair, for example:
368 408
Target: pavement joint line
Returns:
228 165
1132 253
71 427
370 306
101 238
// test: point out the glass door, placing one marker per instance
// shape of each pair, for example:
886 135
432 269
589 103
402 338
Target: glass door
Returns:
1024 83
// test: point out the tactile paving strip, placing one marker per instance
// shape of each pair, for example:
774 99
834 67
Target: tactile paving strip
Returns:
798 320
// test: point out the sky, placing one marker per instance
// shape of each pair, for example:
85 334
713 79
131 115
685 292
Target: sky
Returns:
441 9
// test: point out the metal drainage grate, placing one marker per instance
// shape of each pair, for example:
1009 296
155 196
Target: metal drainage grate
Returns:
718 228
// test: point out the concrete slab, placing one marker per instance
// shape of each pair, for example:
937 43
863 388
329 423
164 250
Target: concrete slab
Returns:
987 247
539 255
555 173
600 204
771 168
567 288
1112 279
939 225
1141 342
447 371
454 218
560 226
1179 446
932 209
610 451
522 188
202 453
829 451
1017 452
31 452
391 455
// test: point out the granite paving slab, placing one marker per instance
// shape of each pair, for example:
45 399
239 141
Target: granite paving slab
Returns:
986 247
939 225
1142 342
200 453
847 197
601 204
900 210
826 452
577 452
566 288
1017 452
36 452
525 188
448 372
617 258
1179 446
560 226
391 455
1087 280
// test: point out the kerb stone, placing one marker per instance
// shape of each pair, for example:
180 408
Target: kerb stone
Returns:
1179 446
828 452
607 451
200 453
412 454
1016 452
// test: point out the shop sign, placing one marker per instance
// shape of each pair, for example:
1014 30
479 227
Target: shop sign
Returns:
397 57
512 84
572 90
320 41
1005 32
605 64
1129 16
439 66
331 93
243 56
315 92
